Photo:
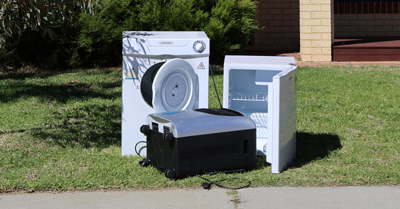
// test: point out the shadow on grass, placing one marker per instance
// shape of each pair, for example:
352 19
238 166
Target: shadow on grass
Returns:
309 147
22 74
314 146
90 126
57 92
33 72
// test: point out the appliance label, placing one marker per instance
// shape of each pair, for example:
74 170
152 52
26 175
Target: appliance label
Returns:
201 66
166 43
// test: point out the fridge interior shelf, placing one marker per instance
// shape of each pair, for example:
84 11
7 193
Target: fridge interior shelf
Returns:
240 95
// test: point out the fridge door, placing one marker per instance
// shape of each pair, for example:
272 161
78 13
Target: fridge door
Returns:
284 119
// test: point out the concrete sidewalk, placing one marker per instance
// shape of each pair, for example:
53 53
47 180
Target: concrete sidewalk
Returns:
320 197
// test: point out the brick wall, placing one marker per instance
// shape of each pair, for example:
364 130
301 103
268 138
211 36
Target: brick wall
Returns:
363 19
280 19
316 32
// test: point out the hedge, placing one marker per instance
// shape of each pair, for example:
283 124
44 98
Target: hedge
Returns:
95 40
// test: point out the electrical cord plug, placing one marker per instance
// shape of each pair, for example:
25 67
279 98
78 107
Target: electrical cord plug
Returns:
144 162
206 185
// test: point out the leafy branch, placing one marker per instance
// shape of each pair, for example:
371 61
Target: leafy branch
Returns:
40 15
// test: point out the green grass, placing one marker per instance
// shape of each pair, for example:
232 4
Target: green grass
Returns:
61 131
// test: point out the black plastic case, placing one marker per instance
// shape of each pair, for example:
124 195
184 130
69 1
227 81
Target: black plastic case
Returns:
179 157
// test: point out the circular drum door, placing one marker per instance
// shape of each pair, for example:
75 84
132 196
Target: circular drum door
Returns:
174 87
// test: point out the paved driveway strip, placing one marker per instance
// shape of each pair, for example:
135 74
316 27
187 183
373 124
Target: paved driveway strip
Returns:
274 197
321 197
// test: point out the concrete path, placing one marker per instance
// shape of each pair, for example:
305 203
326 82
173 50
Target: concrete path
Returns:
321 197
310 198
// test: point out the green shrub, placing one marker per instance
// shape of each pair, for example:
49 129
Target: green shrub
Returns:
33 47
231 26
99 40
95 40
228 23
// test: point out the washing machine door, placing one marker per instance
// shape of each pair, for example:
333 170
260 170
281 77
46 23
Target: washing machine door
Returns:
174 86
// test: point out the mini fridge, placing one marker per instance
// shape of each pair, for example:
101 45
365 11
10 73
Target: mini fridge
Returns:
264 89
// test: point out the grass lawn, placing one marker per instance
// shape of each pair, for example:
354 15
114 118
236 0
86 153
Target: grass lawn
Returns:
61 131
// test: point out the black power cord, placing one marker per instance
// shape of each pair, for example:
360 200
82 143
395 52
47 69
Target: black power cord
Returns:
137 145
207 185
215 87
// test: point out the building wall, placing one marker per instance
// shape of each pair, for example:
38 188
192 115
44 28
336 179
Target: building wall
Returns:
280 19
316 30
364 19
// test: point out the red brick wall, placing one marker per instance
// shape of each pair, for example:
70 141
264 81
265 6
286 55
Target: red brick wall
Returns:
280 19
365 19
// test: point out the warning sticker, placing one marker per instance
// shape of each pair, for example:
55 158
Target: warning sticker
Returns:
201 66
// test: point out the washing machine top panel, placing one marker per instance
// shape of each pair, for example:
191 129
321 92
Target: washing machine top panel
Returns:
165 45
165 34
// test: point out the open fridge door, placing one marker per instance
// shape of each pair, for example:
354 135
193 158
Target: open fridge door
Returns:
284 119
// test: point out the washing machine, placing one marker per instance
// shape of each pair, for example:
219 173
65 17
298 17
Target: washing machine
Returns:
161 72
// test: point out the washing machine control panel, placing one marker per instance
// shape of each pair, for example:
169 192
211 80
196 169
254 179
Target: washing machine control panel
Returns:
199 46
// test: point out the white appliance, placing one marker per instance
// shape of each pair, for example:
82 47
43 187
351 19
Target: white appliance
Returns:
161 72
264 89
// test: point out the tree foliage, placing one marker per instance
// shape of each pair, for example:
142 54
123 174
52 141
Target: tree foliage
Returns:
16 16
229 24
95 40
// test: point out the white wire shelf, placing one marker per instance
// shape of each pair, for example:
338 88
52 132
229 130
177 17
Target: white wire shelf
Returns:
239 95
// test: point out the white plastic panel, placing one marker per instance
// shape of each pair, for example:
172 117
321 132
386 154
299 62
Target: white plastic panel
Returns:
264 77
167 43
261 121
183 123
165 34
271 123
163 45
134 113
174 87
258 62
284 119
